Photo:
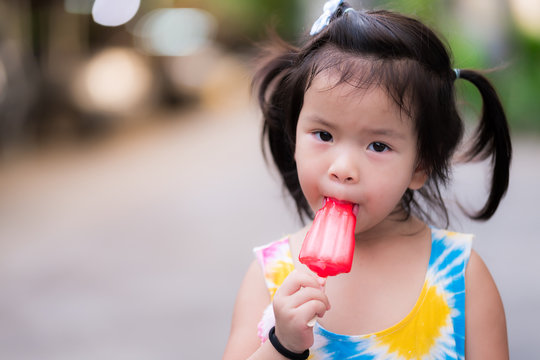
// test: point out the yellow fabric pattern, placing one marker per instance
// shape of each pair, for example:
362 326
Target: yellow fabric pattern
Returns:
415 336
276 261
280 271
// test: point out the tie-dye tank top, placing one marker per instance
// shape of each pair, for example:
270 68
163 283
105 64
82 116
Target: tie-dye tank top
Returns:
434 329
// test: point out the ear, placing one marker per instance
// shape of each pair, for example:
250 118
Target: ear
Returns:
419 178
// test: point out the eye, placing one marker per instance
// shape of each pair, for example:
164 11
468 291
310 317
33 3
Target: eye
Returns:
323 136
378 147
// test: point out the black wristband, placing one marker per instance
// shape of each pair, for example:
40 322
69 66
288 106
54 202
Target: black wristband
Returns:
282 350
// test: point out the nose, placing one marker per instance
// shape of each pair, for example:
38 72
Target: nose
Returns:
344 169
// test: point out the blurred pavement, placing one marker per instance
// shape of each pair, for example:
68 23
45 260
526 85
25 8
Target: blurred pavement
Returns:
134 248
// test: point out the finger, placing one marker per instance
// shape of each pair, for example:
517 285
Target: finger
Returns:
297 280
311 310
315 307
306 294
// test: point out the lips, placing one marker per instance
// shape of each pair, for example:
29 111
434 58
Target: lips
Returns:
355 205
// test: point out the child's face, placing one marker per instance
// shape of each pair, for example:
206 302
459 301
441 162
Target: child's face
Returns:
355 145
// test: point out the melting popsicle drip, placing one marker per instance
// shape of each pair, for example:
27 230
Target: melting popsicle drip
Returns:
329 244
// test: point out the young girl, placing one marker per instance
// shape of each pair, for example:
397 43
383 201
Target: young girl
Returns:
364 112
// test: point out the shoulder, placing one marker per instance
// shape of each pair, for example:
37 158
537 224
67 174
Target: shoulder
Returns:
486 336
271 251
453 238
450 247
282 253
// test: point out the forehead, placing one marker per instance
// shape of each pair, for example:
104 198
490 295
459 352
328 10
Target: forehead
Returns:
328 86
331 67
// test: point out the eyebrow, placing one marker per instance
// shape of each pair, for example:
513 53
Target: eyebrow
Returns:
323 122
386 132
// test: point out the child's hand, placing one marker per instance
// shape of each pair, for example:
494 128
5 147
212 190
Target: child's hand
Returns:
298 300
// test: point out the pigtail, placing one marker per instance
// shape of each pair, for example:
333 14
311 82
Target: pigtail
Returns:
491 139
275 85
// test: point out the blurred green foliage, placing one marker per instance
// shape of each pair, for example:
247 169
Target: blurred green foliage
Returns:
244 22
516 72
515 60
521 84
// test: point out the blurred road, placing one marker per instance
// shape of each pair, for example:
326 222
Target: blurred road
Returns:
134 248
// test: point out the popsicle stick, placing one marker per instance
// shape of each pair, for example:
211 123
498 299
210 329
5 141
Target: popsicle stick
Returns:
322 282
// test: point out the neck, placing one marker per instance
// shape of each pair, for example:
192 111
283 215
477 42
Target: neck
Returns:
394 226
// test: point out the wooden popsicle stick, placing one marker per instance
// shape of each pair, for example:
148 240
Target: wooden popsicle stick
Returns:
311 323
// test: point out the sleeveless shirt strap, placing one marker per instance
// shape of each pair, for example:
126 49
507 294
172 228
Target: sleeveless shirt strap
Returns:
276 262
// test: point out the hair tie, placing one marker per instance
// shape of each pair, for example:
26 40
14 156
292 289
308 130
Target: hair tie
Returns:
284 351
458 73
329 8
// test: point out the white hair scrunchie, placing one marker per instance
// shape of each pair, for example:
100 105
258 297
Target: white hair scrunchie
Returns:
329 9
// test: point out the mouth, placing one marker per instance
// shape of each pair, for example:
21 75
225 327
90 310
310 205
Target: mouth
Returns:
355 206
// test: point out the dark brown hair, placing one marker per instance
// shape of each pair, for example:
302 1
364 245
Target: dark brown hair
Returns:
406 58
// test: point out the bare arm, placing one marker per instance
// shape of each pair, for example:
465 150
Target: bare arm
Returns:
485 325
251 301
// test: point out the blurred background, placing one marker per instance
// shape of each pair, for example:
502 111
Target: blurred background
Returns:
132 185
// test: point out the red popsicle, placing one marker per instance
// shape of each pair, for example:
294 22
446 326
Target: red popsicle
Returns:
329 244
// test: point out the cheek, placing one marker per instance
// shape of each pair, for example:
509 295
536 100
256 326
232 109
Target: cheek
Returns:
388 191
309 175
